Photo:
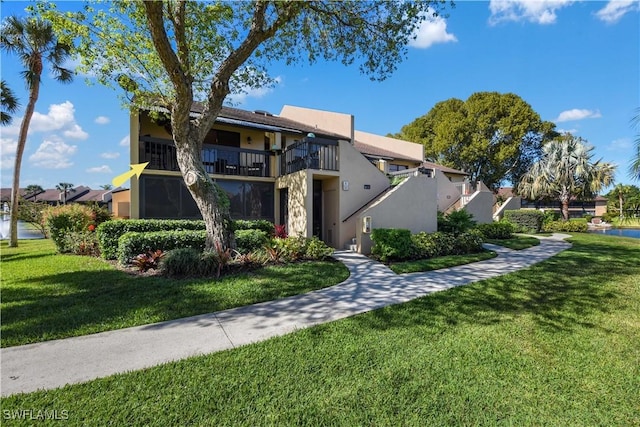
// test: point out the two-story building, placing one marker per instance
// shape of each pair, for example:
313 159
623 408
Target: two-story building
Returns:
308 169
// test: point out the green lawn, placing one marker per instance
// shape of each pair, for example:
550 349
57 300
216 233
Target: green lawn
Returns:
47 296
516 242
439 262
557 344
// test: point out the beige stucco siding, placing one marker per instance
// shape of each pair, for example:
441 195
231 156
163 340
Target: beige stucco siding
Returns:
481 207
339 123
300 201
404 149
410 205
448 192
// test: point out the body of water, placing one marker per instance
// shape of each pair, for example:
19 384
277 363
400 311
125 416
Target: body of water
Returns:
23 231
624 232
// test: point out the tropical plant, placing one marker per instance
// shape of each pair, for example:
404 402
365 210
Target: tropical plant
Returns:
566 171
9 103
34 42
106 186
32 190
173 53
65 188
623 200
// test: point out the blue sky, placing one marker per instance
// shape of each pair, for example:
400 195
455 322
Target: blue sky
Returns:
576 62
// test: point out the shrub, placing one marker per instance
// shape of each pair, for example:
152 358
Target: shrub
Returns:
110 232
181 262
65 219
250 240
549 216
316 249
444 243
82 243
259 224
525 220
148 261
567 226
33 213
423 245
391 244
496 230
133 243
467 243
588 217
281 231
292 248
455 222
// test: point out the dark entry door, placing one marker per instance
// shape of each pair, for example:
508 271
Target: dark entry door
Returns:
317 209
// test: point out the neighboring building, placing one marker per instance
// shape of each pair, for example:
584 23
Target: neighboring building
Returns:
577 208
307 169
80 194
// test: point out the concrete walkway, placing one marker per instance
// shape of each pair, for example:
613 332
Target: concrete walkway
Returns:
371 285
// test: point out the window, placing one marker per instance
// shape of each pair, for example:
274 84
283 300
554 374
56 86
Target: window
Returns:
396 168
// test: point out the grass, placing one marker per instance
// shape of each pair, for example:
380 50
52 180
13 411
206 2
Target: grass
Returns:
516 242
439 262
556 344
48 296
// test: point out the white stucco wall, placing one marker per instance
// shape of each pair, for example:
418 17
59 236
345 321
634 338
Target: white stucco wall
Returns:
404 149
448 193
512 203
481 207
411 205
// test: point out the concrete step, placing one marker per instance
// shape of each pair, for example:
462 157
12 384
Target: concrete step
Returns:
353 246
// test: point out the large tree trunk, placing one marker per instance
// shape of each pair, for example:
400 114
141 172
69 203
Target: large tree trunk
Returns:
202 188
565 209
22 141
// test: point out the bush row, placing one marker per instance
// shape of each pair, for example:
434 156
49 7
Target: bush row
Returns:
400 244
134 243
566 226
110 232
496 230
525 220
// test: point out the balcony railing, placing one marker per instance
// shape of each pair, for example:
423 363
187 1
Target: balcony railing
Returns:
217 159
310 153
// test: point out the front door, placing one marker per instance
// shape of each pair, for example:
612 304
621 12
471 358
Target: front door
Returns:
317 209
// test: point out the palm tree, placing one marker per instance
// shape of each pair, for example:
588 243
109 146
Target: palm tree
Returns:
32 190
9 104
621 191
566 171
106 187
66 188
33 41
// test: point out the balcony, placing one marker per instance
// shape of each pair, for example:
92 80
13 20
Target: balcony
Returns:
217 159
310 153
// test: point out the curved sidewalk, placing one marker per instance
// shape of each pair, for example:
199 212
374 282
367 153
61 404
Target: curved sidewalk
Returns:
371 285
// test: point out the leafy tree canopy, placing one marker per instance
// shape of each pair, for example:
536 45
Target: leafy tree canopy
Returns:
492 136
180 51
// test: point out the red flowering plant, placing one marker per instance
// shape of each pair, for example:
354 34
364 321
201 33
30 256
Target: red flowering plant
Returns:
92 227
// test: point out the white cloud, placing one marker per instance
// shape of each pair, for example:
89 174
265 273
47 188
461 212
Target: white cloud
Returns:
124 142
431 31
578 114
53 154
536 11
615 10
621 144
571 131
110 155
59 118
102 120
8 148
99 169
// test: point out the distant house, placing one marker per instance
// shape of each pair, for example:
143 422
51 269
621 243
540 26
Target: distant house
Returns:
52 196
577 208
307 169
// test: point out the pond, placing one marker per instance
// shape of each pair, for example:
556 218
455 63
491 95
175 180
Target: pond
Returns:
624 232
24 231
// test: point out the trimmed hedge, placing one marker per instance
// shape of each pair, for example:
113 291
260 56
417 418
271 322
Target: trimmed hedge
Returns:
250 240
134 243
391 243
567 226
259 224
525 220
496 230
109 232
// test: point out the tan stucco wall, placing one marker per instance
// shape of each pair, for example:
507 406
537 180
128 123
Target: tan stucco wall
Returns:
481 207
358 171
405 149
601 207
411 205
120 204
339 123
134 155
448 193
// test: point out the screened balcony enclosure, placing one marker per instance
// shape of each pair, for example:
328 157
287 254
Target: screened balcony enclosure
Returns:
310 153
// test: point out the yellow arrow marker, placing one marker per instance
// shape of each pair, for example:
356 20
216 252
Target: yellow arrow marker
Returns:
135 170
